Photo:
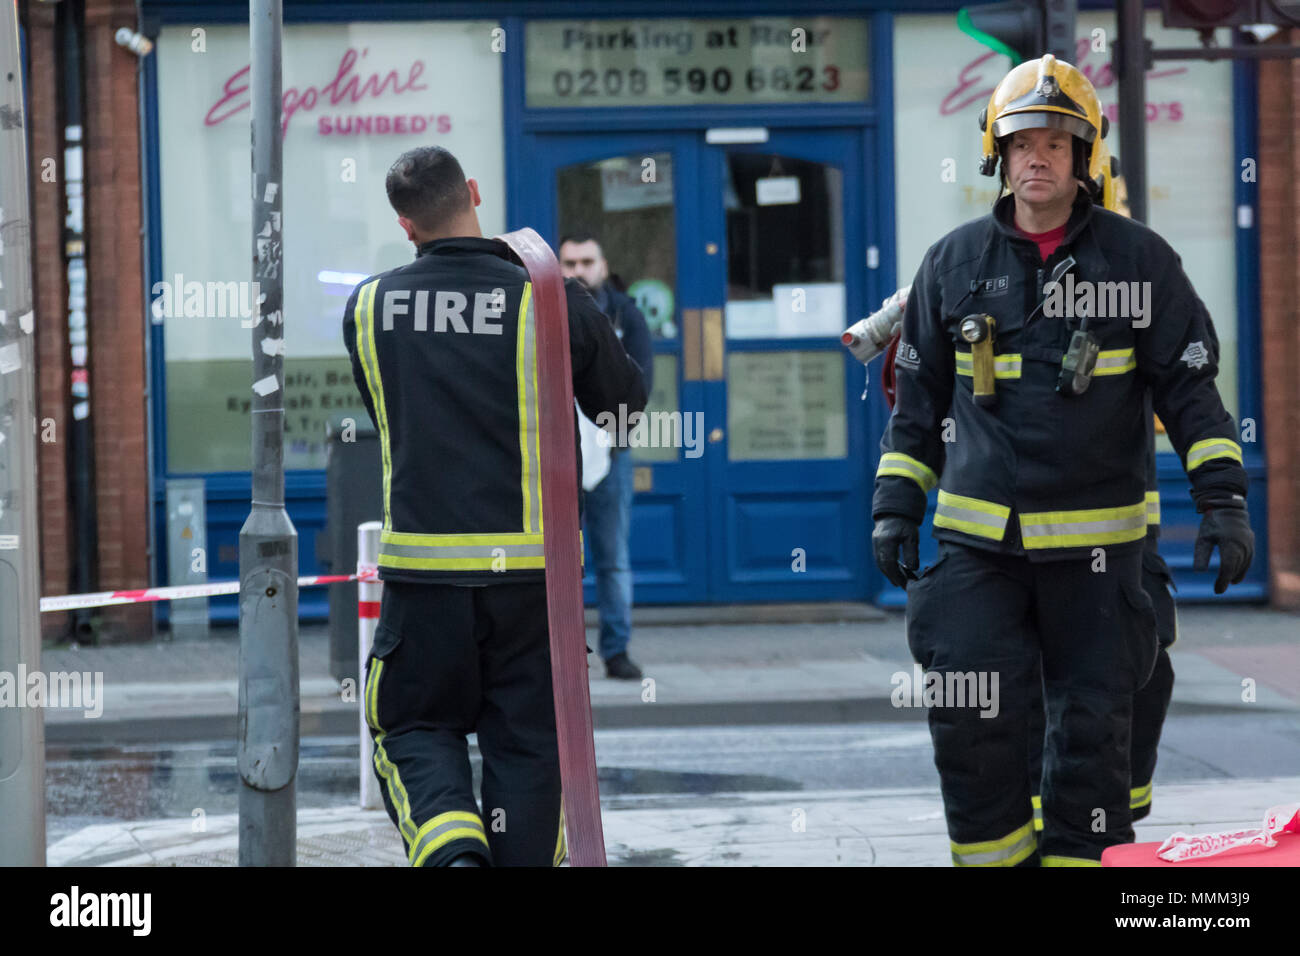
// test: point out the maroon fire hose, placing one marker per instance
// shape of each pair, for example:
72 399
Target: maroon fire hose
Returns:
560 544
887 383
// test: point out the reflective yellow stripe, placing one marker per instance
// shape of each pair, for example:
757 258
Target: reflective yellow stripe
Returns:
396 790
1083 528
1139 797
508 540
1005 365
1203 451
561 848
1038 813
1007 851
388 774
441 830
896 463
1153 507
372 698
530 480
983 519
484 563
462 552
1114 362
363 314
1069 861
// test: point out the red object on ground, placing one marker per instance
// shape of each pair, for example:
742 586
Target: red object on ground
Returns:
1286 853
887 371
560 544
1276 842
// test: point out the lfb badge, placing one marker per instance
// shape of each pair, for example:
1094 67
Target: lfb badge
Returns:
995 286
907 357
1195 355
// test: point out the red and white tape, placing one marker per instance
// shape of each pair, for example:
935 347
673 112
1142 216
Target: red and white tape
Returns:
69 602
1185 846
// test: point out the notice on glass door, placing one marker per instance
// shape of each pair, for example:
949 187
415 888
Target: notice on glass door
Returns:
784 406
809 309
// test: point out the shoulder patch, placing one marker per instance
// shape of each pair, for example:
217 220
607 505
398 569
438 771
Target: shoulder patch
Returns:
907 357
1195 355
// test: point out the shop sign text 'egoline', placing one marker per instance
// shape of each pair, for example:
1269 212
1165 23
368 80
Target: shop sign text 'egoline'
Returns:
351 84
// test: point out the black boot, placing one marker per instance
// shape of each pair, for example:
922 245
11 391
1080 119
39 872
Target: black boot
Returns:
620 667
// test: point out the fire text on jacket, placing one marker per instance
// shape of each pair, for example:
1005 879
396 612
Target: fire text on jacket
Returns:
448 310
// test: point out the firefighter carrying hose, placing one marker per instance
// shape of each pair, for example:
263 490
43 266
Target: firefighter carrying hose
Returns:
1030 414
444 353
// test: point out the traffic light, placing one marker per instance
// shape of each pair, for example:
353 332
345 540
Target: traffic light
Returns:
1023 29
1014 28
1211 14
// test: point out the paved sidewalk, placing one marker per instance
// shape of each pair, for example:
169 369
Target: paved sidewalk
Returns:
701 674
756 672
840 828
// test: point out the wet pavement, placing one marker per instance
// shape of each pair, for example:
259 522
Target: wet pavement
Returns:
745 723
115 800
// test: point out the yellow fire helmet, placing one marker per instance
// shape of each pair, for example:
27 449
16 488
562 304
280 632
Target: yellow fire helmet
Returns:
1046 92
1111 188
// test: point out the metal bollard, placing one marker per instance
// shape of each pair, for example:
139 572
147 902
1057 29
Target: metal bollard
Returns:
369 595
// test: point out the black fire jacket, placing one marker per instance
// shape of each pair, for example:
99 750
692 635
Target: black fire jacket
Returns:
444 353
1042 473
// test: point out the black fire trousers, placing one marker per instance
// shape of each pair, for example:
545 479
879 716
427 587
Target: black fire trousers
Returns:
995 617
1150 704
448 661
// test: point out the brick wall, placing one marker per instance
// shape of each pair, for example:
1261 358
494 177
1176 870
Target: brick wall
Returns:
115 314
50 294
1279 223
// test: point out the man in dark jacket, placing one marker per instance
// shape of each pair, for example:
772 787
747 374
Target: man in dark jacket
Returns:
608 508
1030 341
444 353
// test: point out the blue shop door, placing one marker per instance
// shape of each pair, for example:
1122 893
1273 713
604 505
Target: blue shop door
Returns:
635 193
748 261
783 253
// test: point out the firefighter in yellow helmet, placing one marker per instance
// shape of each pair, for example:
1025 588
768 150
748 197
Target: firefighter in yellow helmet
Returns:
1151 703
1022 395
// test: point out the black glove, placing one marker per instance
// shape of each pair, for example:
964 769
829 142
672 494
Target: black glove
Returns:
891 533
1229 528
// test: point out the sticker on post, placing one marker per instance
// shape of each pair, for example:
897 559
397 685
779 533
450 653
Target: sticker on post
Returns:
10 358
266 386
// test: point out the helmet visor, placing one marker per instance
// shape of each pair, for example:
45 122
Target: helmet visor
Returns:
1006 124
